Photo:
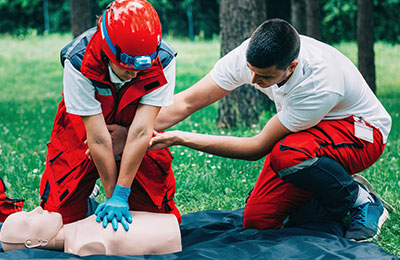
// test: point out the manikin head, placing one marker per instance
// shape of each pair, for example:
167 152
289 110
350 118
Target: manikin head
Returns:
272 52
32 229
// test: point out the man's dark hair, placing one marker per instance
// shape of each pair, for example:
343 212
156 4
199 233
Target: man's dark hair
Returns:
274 43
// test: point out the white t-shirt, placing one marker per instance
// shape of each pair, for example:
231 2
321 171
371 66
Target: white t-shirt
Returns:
324 86
79 92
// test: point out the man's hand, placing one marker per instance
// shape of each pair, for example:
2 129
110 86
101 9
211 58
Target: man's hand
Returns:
163 140
118 137
115 209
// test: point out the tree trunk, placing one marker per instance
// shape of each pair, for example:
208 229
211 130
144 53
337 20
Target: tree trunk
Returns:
238 19
365 40
80 16
278 9
299 19
313 19
46 17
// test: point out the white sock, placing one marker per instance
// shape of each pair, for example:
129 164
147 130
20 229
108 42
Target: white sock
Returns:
363 196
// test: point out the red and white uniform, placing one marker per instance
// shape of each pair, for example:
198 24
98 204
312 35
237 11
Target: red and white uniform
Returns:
319 103
70 175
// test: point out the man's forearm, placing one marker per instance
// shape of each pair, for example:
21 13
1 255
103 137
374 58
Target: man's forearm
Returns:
201 94
171 115
250 148
225 146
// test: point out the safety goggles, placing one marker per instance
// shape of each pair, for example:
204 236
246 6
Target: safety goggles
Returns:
137 62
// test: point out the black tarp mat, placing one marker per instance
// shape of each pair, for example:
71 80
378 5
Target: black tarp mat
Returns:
216 234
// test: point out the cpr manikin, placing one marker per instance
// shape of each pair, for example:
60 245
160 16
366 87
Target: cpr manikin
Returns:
149 233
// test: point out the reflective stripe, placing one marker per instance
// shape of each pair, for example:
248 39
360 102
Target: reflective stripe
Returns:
298 167
104 91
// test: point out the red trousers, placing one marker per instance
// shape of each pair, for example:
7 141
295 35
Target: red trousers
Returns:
272 199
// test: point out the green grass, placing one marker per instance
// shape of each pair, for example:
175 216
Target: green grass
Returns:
31 85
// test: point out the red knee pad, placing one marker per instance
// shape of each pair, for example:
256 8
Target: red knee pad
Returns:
292 150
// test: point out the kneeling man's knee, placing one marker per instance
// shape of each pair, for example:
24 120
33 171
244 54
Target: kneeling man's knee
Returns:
262 216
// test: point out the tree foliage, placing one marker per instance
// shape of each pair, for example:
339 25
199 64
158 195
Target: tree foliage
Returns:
173 16
339 20
22 16
338 17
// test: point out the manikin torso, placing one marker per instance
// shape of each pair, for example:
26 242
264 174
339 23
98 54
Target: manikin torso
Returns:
148 234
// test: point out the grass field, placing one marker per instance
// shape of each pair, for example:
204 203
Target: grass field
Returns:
31 85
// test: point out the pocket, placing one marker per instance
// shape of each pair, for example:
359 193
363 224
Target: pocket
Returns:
156 176
162 159
63 157
339 133
157 165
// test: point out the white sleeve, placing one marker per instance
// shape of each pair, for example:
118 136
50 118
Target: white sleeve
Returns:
231 71
304 111
163 96
79 93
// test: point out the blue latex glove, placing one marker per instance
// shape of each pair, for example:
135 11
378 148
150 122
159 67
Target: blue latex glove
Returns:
115 209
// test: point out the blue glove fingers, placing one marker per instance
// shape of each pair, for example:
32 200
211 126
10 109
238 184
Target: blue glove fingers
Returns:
114 223
118 215
124 223
115 208
99 209
100 215
105 222
128 216
111 214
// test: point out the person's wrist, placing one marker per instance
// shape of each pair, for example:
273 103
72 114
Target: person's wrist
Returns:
108 189
121 192
178 138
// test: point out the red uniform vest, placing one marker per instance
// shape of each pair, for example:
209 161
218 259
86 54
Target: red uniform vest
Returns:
67 163
7 205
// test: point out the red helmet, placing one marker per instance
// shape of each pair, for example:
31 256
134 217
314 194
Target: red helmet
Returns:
131 32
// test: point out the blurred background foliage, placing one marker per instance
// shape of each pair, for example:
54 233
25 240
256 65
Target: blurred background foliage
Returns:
21 17
338 17
339 20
